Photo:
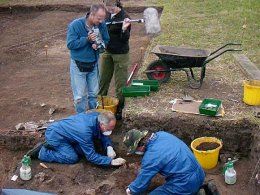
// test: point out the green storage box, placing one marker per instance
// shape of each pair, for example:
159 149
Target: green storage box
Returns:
134 91
154 84
210 107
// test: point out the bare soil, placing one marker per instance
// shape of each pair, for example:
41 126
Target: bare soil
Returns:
85 178
29 77
69 2
207 146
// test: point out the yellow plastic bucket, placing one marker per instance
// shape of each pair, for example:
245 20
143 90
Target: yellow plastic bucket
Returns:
99 110
252 92
207 159
109 103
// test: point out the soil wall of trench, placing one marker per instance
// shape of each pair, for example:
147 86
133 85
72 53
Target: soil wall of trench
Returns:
238 136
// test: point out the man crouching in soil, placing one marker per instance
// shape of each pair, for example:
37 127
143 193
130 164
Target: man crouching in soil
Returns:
70 139
165 154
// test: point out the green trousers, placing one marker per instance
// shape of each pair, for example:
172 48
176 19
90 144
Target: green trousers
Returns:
117 65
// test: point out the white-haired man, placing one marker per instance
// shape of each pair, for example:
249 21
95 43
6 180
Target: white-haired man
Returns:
71 138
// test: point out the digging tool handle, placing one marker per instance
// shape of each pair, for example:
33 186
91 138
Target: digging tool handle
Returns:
120 22
102 101
135 67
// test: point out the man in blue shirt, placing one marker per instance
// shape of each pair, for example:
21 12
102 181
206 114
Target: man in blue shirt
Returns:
165 154
86 37
71 138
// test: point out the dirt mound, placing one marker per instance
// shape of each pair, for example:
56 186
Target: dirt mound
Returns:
207 146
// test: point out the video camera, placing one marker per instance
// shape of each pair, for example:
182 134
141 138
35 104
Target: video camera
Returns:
99 41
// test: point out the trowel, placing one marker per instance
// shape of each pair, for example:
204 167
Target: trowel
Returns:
187 98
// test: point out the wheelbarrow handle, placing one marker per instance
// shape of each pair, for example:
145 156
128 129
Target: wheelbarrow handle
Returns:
210 58
223 47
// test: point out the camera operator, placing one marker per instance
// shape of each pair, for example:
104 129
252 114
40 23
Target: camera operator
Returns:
86 38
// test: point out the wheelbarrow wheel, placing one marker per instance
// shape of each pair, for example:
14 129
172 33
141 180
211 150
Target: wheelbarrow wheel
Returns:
162 77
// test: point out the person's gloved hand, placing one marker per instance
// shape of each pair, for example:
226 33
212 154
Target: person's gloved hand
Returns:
128 191
110 152
118 161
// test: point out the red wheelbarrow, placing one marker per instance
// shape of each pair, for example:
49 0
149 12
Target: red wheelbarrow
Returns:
182 59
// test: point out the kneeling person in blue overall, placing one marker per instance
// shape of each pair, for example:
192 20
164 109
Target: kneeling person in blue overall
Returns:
165 154
69 139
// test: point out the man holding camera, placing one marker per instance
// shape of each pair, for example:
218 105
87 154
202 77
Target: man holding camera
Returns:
86 38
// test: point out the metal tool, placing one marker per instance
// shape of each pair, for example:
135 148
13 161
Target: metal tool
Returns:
187 98
134 69
151 20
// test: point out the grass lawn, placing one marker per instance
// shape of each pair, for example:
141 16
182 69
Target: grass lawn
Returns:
3 1
208 24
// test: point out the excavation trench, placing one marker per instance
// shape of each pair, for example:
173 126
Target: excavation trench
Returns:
237 135
84 178
27 64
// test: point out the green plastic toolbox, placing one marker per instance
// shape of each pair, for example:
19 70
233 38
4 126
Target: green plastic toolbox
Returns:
134 91
154 84
210 107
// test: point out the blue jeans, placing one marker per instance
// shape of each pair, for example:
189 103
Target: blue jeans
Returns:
85 87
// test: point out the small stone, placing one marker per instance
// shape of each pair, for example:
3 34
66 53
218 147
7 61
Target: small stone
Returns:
257 178
207 126
30 126
20 126
257 112
51 111
104 189
90 192
43 104
40 176
224 157
20 182
50 180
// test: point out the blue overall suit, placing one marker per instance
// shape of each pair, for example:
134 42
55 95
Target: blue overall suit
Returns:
72 137
169 156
